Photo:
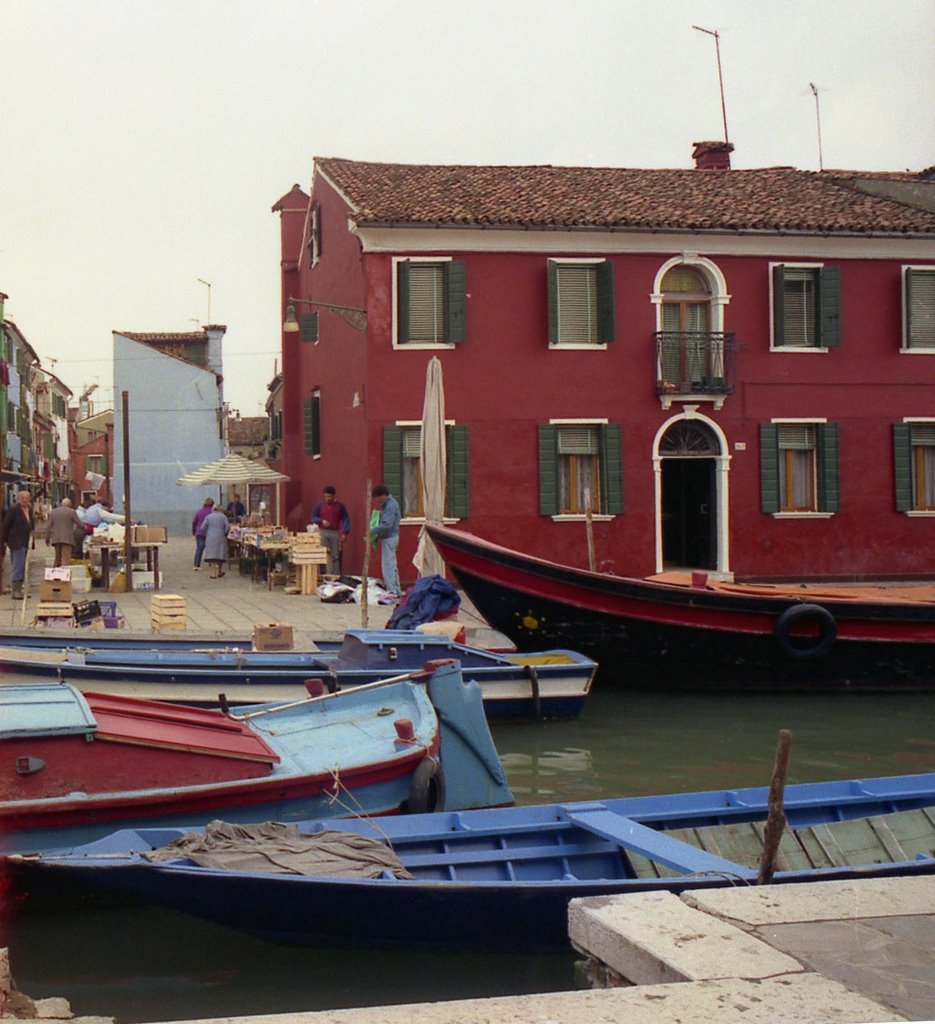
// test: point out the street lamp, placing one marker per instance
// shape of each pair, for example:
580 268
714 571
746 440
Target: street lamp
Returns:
357 318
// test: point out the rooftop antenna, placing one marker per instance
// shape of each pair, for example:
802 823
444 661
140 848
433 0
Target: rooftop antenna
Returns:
720 77
821 163
207 284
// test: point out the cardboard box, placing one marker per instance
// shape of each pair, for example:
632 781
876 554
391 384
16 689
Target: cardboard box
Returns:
55 590
149 535
277 636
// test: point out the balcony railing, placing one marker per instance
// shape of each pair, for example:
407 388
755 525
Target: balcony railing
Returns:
695 362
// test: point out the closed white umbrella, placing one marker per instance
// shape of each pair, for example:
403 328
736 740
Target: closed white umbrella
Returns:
432 462
232 469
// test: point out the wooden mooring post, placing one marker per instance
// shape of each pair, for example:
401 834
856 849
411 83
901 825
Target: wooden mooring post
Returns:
776 819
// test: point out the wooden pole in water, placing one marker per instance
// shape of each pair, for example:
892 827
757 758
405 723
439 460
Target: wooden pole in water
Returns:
364 586
776 820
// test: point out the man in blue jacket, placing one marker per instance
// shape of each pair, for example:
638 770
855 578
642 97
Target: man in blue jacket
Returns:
387 533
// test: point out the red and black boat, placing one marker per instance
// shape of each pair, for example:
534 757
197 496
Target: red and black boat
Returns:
687 631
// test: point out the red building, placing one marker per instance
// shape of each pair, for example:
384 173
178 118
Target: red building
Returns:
735 369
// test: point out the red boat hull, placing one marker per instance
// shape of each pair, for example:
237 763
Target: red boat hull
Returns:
662 636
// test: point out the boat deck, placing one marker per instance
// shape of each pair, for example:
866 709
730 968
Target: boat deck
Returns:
895 593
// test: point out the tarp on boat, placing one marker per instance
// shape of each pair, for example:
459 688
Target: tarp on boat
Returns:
430 598
273 847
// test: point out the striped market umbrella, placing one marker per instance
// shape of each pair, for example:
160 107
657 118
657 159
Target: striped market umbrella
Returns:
232 469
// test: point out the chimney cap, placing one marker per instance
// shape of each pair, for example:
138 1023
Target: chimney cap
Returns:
712 155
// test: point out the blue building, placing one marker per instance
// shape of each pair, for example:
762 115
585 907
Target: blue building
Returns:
175 400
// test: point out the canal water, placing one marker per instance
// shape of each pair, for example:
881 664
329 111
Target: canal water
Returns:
145 964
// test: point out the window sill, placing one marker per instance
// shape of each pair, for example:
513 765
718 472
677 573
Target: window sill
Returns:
918 350
802 515
799 348
578 517
420 346
579 346
420 521
920 513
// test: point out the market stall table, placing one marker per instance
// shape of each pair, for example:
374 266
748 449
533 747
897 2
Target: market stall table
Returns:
114 550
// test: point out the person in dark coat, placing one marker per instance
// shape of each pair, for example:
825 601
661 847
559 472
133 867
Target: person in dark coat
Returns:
18 526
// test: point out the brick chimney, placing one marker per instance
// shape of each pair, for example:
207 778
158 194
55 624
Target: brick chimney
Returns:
712 156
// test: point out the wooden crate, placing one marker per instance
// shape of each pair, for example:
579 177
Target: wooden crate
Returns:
168 611
54 610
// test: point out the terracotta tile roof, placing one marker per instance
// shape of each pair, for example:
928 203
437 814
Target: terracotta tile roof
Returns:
770 200
184 338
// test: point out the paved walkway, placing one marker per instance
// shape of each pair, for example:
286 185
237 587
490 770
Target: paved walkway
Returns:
230 606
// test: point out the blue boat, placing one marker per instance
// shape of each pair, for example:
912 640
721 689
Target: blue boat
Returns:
536 685
504 877
79 766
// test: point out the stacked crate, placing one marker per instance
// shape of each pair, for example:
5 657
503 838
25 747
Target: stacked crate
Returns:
57 614
168 611
307 554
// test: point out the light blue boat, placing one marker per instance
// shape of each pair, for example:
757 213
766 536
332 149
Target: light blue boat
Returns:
535 685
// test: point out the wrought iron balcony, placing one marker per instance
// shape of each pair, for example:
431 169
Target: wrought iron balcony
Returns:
695 362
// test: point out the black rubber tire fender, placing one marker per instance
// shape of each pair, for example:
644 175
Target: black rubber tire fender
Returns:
427 789
797 614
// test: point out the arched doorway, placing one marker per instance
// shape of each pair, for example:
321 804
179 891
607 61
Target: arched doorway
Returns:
689 453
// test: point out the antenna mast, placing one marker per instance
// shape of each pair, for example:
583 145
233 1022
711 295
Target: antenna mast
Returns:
821 163
720 77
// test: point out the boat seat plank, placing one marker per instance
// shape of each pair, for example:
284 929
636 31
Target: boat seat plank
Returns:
504 855
657 846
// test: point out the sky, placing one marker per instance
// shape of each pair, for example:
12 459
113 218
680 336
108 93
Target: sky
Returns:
143 142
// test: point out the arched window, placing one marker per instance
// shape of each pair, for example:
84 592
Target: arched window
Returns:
689 439
686 300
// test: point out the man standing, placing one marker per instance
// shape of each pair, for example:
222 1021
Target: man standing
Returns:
334 524
61 532
18 526
236 509
387 532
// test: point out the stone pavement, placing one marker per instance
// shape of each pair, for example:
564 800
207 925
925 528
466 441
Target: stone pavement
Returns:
229 607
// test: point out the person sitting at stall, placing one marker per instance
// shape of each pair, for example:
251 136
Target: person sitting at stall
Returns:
100 512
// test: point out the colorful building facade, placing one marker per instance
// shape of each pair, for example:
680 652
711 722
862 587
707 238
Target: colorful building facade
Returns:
705 368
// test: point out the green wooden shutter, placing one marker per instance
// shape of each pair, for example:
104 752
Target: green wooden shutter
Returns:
769 468
611 470
455 301
920 308
402 302
553 301
779 323
548 470
308 327
311 414
902 465
605 301
458 504
829 298
393 461
829 478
